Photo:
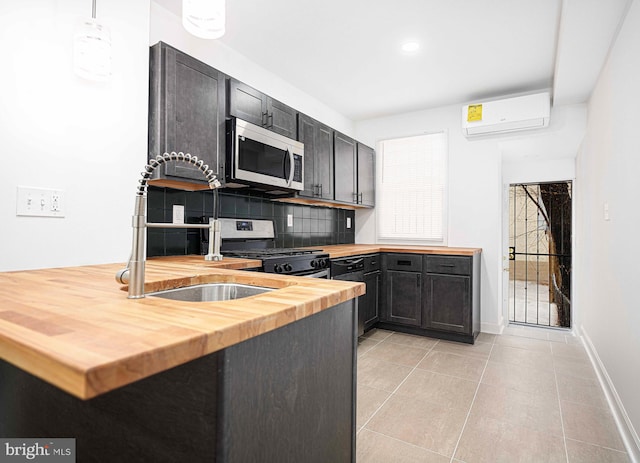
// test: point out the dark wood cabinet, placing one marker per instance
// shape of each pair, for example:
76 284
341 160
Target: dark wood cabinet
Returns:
253 106
345 168
366 175
318 157
447 304
370 302
402 289
186 114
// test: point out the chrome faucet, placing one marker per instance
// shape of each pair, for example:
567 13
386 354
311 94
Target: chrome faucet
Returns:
133 274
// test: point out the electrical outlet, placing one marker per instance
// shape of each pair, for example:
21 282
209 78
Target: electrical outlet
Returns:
178 214
39 202
348 222
289 220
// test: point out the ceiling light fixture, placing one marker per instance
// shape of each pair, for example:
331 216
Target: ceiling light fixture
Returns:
410 46
204 18
92 49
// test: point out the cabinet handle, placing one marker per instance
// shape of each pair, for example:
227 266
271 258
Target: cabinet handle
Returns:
320 190
403 262
418 280
447 265
264 119
360 198
270 121
355 198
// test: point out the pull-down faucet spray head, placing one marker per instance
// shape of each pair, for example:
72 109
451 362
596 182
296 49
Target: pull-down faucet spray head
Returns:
134 273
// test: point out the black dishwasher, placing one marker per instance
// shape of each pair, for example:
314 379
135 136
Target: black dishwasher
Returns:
350 269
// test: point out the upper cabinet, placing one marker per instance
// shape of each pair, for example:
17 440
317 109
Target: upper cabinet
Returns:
318 158
366 175
354 172
345 169
249 104
186 114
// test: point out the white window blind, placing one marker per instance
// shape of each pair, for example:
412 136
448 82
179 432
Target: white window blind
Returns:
413 188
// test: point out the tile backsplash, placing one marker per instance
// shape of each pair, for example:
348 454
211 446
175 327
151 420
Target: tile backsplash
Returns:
312 225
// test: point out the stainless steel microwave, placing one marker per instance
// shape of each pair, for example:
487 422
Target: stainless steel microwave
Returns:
260 158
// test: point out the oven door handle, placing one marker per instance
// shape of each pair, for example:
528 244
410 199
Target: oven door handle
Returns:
320 274
291 166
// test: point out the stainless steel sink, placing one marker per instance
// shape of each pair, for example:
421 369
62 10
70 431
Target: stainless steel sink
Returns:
211 292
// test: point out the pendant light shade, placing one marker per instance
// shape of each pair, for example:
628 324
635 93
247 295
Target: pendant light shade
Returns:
92 49
204 18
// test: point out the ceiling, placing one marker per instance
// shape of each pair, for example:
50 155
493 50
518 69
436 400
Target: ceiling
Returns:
346 53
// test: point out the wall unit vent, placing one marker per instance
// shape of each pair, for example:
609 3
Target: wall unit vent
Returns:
507 115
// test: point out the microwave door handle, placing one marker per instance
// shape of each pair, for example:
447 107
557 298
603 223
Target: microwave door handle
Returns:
291 167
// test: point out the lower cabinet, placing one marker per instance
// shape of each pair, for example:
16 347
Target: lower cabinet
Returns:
433 295
370 302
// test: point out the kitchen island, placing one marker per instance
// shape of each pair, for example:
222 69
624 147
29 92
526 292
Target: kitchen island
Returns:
266 378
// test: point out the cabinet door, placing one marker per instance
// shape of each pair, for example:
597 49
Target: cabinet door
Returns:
307 136
324 161
404 297
345 159
369 302
366 175
186 110
247 103
281 118
448 302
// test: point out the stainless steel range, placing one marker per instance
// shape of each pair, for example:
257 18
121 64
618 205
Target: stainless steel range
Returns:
255 239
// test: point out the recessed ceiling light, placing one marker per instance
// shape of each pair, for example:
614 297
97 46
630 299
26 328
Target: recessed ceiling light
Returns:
410 46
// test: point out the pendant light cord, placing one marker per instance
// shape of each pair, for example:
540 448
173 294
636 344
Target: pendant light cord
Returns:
93 10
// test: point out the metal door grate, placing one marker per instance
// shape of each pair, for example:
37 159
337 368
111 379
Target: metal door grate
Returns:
540 254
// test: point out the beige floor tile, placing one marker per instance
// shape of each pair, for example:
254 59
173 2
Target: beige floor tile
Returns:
437 388
398 353
478 350
381 374
470 368
524 343
573 351
590 424
559 336
425 424
574 367
412 340
378 335
581 390
486 337
369 400
540 383
524 357
581 452
365 345
373 447
486 440
518 408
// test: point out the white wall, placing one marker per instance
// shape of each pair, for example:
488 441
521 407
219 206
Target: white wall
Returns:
167 27
60 131
476 181
608 167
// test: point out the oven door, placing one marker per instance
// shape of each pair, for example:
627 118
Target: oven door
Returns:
324 273
266 158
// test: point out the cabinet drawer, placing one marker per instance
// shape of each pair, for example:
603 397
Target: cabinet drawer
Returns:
452 265
403 262
371 263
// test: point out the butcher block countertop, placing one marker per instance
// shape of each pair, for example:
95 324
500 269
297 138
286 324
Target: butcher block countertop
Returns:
346 250
75 328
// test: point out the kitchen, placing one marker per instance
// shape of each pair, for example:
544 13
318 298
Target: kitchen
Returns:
91 141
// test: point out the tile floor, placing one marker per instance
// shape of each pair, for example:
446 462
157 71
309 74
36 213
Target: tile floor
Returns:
525 396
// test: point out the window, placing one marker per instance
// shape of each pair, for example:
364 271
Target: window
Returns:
412 197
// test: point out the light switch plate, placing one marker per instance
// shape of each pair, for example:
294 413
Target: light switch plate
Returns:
40 202
289 220
348 222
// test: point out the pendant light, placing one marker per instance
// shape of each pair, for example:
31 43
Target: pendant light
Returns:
92 49
204 18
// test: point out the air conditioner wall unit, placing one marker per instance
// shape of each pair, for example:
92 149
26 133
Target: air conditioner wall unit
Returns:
507 115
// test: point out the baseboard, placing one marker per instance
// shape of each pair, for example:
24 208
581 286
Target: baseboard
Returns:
625 426
493 328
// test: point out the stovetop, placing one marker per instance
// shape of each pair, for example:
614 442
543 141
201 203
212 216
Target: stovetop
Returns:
287 261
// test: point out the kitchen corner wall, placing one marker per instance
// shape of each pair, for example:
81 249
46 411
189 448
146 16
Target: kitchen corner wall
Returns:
312 226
